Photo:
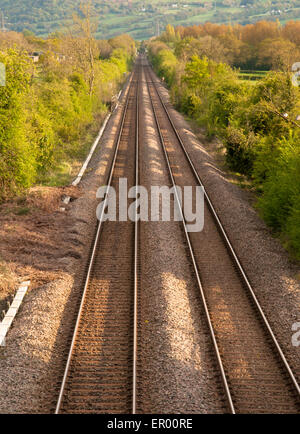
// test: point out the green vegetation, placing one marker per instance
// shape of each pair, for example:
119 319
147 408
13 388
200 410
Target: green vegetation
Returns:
257 123
142 18
251 75
48 110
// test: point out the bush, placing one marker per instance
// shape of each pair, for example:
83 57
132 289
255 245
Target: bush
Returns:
240 149
279 203
253 122
17 156
45 113
165 62
292 227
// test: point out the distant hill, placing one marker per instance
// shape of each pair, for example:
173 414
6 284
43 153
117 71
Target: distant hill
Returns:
141 19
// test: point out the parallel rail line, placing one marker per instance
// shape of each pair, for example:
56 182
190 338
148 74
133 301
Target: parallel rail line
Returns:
70 390
158 106
101 370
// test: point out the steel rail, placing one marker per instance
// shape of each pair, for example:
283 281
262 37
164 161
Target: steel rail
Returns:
136 238
231 250
92 258
196 270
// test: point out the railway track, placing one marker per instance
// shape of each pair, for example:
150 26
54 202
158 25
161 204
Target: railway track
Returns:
101 371
100 374
256 376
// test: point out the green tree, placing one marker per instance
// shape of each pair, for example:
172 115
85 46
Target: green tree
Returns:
17 156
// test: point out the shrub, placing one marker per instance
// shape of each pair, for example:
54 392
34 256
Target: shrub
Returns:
45 113
17 156
253 121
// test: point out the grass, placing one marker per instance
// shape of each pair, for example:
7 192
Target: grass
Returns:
8 280
125 20
59 175
66 170
252 75
18 207
241 180
23 210
197 19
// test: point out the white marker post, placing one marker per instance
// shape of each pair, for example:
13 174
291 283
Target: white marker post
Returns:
12 311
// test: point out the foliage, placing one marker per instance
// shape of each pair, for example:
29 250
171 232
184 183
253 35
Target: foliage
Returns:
264 45
280 201
257 124
46 110
17 158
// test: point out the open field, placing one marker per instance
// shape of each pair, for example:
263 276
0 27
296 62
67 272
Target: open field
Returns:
251 75
141 19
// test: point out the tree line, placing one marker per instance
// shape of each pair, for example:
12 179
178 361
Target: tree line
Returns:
46 108
264 45
258 122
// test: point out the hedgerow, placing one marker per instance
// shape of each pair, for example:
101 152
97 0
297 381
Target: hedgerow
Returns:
256 122
46 110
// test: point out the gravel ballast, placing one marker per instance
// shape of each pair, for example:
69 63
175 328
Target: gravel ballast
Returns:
273 275
32 362
178 371
178 366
